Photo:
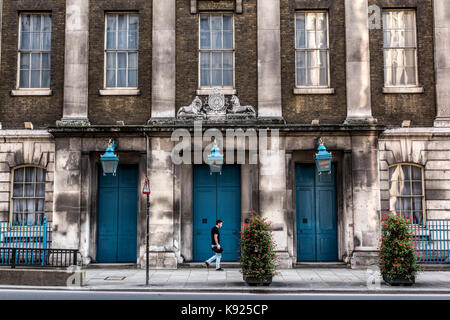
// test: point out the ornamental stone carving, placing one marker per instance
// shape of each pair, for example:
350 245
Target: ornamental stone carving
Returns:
216 108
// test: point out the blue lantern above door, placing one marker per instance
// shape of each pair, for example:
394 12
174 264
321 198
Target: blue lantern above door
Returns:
215 160
323 158
109 159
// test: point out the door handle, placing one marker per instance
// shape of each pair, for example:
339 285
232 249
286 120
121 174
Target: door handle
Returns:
234 232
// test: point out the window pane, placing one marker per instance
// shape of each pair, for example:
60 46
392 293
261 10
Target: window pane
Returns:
228 22
30 174
132 60
417 188
216 22
110 78
418 217
24 79
311 40
36 41
39 205
205 42
217 60
122 60
228 40
40 190
25 41
228 60
24 61
204 78
410 76
300 39
416 173
18 190
406 204
36 23
36 61
111 40
26 20
301 77
122 40
122 22
132 40
29 190
204 60
40 175
35 79
133 18
47 27
300 21
321 39
132 78
217 78
323 77
19 175
46 41
405 188
301 59
45 61
45 79
321 21
228 78
111 22
216 40
204 22
121 78
111 60
406 171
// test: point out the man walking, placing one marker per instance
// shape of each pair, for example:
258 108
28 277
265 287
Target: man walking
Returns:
215 246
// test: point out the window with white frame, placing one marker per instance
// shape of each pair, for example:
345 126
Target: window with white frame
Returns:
35 32
406 191
400 48
216 50
121 50
312 49
28 195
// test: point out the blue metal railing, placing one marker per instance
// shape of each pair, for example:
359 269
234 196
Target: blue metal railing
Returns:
432 241
25 237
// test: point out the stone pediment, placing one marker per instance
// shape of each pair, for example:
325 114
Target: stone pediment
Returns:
216 107
201 5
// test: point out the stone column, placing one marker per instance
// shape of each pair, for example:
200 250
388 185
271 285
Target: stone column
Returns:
357 62
272 198
76 61
160 173
269 59
163 60
366 199
67 193
441 10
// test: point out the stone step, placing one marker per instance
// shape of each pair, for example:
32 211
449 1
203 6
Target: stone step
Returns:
232 265
112 266
312 265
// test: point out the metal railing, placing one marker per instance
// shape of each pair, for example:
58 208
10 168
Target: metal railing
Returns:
57 258
26 236
432 241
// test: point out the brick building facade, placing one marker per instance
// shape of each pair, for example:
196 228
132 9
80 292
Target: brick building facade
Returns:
369 77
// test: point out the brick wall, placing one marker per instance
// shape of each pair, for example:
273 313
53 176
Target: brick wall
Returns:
330 109
187 34
109 109
42 111
392 109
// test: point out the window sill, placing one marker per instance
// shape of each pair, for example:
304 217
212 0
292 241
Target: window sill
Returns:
207 92
119 92
23 92
313 90
403 90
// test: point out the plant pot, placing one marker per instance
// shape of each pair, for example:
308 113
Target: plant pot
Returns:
254 281
399 281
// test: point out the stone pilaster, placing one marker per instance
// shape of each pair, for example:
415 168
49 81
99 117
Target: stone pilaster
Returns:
163 60
366 199
441 11
269 61
359 108
76 64
161 174
67 193
272 198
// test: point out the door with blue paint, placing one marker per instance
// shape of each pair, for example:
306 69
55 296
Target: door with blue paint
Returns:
316 214
216 197
117 215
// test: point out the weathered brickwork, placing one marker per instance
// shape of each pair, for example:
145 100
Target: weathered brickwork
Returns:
187 35
304 108
42 111
109 109
392 109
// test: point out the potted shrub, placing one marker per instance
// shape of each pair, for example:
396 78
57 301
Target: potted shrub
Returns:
258 257
398 257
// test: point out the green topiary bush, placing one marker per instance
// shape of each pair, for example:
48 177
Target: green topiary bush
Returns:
258 257
398 256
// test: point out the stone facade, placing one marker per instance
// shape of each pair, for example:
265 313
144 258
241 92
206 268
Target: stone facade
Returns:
358 121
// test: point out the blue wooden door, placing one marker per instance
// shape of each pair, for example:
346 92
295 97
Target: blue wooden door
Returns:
316 214
117 215
216 197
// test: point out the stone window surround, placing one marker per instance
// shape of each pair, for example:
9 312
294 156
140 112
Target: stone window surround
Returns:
119 92
413 89
31 92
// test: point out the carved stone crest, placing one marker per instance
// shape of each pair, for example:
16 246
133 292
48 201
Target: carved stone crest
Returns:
216 108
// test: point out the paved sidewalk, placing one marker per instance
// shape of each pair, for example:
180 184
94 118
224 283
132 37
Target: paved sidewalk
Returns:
287 281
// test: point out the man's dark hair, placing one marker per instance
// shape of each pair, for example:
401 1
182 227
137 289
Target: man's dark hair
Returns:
218 221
